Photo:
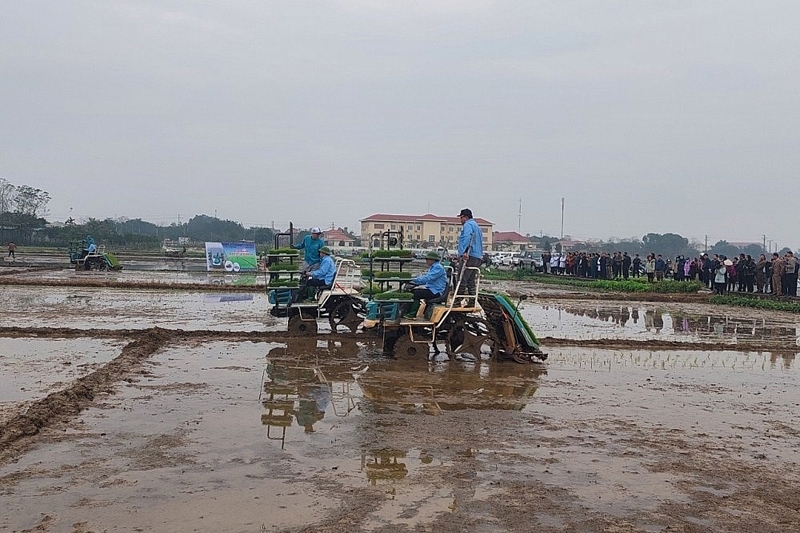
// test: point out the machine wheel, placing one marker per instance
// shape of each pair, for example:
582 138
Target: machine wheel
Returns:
471 338
347 315
298 326
405 348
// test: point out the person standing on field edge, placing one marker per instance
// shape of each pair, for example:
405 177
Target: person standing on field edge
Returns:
790 278
12 251
626 265
661 267
778 270
470 248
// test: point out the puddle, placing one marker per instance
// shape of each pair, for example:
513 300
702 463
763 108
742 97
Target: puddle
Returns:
103 308
329 435
32 368
593 320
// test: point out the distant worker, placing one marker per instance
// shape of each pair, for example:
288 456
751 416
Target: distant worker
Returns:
321 276
470 249
12 251
311 244
430 285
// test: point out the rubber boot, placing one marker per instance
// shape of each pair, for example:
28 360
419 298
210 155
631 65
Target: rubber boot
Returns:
412 312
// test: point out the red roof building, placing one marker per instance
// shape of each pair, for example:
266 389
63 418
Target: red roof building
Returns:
511 241
337 238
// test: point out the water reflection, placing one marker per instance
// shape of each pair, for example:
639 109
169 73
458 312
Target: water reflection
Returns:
433 389
305 395
306 390
679 323
382 465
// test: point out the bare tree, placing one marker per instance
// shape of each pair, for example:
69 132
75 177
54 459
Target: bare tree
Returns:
7 193
31 201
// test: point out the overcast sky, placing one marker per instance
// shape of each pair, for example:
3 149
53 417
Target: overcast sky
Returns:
647 116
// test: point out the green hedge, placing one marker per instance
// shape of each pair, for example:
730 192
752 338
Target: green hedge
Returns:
620 285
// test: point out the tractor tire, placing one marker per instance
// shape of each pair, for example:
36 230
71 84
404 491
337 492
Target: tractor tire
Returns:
298 326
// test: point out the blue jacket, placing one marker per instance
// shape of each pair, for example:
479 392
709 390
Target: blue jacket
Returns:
311 246
326 270
435 278
472 237
660 265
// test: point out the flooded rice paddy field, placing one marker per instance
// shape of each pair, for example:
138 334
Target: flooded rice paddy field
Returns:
160 430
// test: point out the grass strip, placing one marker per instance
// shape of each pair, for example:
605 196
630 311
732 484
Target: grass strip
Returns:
618 285
755 303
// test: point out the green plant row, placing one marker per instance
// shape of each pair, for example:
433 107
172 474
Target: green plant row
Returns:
756 303
387 253
277 267
371 289
283 283
382 274
394 295
284 251
629 285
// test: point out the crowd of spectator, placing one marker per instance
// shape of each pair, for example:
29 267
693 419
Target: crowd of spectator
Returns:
770 275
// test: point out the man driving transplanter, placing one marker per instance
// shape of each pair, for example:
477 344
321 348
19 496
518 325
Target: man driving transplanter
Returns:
430 285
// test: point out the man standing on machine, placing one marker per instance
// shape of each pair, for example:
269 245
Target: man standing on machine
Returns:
311 244
470 250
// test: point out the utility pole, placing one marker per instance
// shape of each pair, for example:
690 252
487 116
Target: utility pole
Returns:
519 218
764 246
770 245
705 246
562 218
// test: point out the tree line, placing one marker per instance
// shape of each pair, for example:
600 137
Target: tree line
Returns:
23 210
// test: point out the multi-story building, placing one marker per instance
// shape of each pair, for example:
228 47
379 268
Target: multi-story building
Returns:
422 231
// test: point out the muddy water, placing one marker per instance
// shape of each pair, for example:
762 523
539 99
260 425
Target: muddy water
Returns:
83 307
274 437
32 368
686 322
150 275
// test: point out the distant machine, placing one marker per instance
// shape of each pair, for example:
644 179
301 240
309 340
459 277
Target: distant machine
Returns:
87 255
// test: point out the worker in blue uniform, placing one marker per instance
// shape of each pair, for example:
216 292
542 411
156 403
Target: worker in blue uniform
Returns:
311 245
322 276
470 250
430 285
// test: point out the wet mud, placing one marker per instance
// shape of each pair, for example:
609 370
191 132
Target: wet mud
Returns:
688 422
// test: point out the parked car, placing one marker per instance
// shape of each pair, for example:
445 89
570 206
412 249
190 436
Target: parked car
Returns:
502 259
529 259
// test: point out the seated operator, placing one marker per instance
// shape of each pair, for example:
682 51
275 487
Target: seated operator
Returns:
430 285
322 276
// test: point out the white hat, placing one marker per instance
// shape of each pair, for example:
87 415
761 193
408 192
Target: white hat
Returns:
315 230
